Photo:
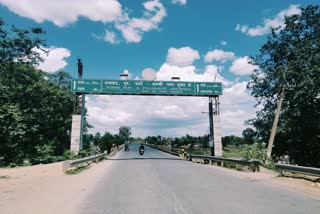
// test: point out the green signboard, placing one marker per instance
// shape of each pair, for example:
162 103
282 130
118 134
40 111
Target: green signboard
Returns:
141 87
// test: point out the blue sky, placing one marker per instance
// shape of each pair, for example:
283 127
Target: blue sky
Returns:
194 39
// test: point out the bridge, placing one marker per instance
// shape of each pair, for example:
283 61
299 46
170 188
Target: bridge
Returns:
156 182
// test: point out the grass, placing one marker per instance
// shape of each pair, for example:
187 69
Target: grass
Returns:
233 166
197 151
233 152
229 152
77 170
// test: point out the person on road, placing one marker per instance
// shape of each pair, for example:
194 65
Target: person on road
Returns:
141 147
126 146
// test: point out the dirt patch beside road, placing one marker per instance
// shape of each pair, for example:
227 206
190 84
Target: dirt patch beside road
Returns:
45 188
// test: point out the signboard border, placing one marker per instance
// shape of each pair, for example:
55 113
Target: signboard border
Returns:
143 94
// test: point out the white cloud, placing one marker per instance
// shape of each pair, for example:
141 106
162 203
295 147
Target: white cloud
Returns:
168 116
180 2
241 66
62 12
182 56
214 71
277 21
237 106
218 55
54 60
111 37
110 12
188 73
133 29
130 34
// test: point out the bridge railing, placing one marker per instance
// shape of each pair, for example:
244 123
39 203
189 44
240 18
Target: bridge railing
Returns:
298 169
88 160
253 164
176 153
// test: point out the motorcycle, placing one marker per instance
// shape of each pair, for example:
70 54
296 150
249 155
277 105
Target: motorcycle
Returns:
141 151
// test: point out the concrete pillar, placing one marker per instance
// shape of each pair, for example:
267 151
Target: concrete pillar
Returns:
75 133
217 136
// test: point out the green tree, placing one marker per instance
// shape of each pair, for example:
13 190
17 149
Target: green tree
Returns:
124 133
290 60
231 140
249 136
106 141
97 138
35 110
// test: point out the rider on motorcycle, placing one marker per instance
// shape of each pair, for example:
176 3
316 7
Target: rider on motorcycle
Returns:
126 146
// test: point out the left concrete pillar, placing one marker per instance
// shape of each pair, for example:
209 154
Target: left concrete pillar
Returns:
75 133
217 144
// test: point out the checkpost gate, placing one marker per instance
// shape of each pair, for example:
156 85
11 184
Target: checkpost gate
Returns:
151 88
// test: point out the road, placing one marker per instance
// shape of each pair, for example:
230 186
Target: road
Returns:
161 183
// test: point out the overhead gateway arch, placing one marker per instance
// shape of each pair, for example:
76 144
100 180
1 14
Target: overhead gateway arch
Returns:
150 88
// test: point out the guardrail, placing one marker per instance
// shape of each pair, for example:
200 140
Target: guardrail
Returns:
163 150
82 161
87 160
298 169
253 164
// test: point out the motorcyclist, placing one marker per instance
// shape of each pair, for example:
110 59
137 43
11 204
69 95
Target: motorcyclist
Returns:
141 147
126 146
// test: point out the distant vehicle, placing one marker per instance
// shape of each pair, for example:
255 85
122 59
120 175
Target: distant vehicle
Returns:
126 146
141 149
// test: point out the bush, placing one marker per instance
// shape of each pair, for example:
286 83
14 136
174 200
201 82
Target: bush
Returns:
44 154
84 153
69 155
255 151
258 151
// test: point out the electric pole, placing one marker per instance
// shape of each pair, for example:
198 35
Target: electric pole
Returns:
275 124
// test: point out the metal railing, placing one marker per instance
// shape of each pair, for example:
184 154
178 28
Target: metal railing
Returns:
87 160
163 150
298 169
253 164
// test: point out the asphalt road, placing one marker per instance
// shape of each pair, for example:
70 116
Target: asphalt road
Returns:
161 183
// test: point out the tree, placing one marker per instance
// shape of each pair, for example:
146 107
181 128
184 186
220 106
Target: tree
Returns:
35 110
248 136
106 142
97 138
124 133
231 140
290 60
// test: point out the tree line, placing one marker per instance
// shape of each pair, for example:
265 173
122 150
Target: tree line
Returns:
35 106
289 61
105 142
248 137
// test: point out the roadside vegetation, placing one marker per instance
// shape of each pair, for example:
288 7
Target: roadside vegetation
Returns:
233 146
289 62
36 107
